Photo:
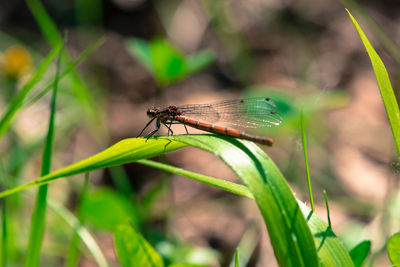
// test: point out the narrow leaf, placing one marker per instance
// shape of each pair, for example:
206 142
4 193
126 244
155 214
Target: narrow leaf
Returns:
237 258
385 87
39 213
288 231
219 183
17 101
73 253
304 139
81 231
133 250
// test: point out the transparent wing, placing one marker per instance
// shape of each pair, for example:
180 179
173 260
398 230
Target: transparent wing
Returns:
248 113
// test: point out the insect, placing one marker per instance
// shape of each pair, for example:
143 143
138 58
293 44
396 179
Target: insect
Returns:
247 113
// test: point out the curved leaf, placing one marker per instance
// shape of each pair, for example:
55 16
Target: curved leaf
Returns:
292 240
134 250
385 87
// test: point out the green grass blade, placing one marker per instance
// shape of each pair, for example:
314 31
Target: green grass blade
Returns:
38 224
222 184
4 240
385 87
50 32
289 232
82 232
17 101
237 258
304 140
46 24
71 66
360 252
73 253
133 250
247 245
381 35
125 151
327 209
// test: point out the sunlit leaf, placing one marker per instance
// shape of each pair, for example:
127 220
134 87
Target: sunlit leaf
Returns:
385 87
133 250
393 249
360 252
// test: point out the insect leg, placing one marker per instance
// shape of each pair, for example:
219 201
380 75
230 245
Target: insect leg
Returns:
158 124
169 128
147 125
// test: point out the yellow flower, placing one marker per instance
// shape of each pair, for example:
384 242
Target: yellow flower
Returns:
15 62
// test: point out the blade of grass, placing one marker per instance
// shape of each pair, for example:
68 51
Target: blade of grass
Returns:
125 151
38 224
237 258
255 168
247 245
387 42
304 140
73 253
82 232
219 183
327 209
46 24
288 231
54 38
17 101
70 67
4 241
385 87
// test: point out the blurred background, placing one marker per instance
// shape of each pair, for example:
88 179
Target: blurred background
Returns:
302 54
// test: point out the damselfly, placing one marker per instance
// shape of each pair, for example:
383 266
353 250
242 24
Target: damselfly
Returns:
247 113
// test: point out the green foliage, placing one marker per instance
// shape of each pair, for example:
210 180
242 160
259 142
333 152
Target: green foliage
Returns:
17 101
237 258
288 229
80 230
165 62
360 252
97 207
39 213
330 249
393 249
133 249
54 38
385 87
184 264
304 141
73 253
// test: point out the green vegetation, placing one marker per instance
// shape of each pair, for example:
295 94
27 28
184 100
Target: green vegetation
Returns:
80 229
